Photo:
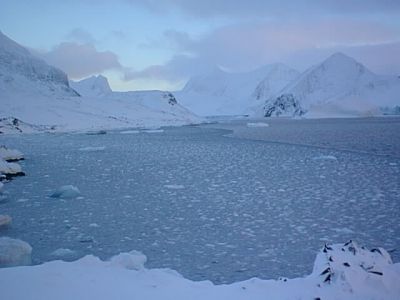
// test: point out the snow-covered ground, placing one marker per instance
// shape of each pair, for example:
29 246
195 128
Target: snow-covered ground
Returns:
341 271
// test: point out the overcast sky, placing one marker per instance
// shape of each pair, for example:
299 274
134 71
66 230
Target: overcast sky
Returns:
159 44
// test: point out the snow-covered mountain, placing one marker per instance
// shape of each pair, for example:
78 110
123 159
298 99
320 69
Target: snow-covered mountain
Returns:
21 71
339 86
35 96
92 86
222 93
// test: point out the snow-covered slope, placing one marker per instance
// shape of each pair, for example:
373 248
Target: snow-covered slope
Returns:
341 271
35 96
21 71
223 93
92 86
341 86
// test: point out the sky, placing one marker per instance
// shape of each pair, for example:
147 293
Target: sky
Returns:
160 44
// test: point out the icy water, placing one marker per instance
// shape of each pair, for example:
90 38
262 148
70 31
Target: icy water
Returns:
207 205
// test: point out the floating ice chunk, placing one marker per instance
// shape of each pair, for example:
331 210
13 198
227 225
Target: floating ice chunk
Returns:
258 124
63 253
5 220
22 200
10 154
92 149
14 252
344 230
1 186
325 157
153 130
133 260
130 132
174 186
94 225
66 192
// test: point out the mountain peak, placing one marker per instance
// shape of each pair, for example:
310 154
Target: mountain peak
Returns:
92 86
340 58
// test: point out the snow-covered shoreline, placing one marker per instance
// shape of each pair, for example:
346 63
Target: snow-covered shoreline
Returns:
341 271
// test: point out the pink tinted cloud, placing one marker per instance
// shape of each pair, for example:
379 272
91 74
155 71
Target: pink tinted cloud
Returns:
81 60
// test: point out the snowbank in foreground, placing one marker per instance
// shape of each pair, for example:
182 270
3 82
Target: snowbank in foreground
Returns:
340 272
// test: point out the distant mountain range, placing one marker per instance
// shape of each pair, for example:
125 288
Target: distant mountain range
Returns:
35 96
223 93
339 86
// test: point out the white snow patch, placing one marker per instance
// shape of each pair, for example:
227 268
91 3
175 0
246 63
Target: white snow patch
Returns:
174 186
134 260
66 192
92 149
62 253
130 132
14 252
153 131
258 124
325 157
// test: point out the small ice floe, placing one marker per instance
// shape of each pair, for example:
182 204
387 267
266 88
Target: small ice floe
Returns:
63 253
344 230
82 238
1 186
22 200
10 154
258 124
5 221
133 260
66 192
153 131
95 225
92 149
174 186
14 252
325 157
130 132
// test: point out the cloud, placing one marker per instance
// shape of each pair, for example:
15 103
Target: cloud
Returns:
81 60
248 45
178 68
270 8
80 35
